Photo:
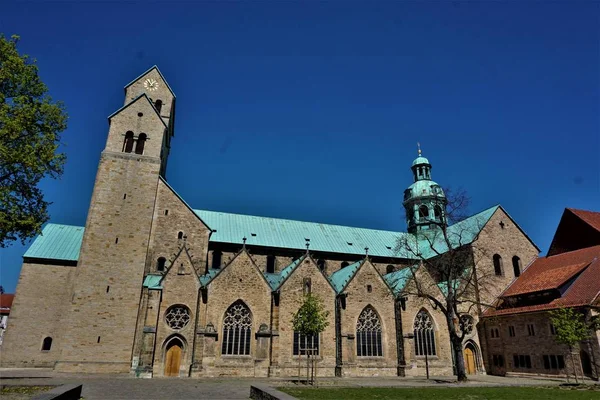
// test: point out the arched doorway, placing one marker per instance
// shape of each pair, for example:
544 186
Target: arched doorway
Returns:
173 357
586 363
470 355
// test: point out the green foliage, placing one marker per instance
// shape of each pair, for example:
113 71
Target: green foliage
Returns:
30 124
311 317
570 326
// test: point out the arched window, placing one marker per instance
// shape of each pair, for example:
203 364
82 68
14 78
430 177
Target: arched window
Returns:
128 142
47 344
160 264
270 264
368 334
498 265
424 334
139 147
216 259
437 211
516 266
237 330
321 264
180 235
158 105
423 211
344 265
389 269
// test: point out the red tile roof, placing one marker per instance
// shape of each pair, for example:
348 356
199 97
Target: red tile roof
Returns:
551 273
590 217
6 302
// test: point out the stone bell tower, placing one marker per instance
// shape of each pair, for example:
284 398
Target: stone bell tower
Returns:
101 323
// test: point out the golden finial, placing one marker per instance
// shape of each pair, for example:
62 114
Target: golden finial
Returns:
419 147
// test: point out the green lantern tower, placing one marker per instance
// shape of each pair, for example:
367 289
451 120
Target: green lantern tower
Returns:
424 200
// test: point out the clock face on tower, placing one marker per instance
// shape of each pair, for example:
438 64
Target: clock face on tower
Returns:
151 84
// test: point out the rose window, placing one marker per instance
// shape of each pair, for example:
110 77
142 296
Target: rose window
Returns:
177 317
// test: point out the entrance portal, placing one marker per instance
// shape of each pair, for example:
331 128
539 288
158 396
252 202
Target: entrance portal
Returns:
173 354
470 365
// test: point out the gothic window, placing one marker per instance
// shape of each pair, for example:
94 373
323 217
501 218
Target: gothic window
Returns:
270 264
498 265
437 211
321 264
306 344
368 334
158 105
47 344
423 212
516 261
389 269
160 264
237 330
216 259
177 317
424 334
128 142
139 147
344 265
466 324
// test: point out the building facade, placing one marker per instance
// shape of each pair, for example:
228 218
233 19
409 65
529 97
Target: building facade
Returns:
520 336
153 287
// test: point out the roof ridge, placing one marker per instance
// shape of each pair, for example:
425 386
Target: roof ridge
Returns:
571 251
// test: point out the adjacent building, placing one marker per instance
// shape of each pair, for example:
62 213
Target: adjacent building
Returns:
519 334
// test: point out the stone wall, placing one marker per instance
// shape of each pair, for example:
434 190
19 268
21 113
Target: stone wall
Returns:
40 301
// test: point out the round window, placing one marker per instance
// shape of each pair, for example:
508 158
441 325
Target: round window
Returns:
177 317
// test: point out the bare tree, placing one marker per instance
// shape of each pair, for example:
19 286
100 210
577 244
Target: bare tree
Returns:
446 274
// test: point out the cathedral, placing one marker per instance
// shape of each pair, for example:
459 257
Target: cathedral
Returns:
153 287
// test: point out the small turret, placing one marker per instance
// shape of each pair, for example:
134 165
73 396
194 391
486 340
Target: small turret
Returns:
424 200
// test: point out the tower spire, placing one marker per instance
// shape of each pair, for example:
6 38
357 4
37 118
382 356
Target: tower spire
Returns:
419 148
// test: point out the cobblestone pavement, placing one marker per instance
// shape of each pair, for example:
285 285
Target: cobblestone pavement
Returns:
113 387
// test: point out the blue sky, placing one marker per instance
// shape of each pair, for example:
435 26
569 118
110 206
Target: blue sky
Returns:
312 110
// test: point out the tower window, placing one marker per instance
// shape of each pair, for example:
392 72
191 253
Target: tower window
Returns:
516 261
160 264
270 264
139 147
369 288
47 344
389 269
423 212
216 259
180 235
344 264
498 265
158 105
437 210
128 142
166 212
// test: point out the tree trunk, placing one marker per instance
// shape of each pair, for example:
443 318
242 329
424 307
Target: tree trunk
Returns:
573 363
456 343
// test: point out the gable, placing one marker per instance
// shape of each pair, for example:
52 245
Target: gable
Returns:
241 271
306 266
577 229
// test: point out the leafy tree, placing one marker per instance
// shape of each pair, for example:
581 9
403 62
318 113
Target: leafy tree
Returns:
30 124
447 275
570 329
310 319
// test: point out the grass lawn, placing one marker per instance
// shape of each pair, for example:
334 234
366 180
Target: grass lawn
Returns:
450 393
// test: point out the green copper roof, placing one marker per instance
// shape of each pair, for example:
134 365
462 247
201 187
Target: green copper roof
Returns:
420 160
57 242
397 280
340 278
153 281
284 233
276 280
425 187
430 243
207 278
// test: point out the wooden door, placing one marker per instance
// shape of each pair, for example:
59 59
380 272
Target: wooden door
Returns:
173 359
469 361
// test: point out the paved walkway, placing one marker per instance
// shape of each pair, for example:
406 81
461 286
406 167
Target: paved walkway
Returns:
114 387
